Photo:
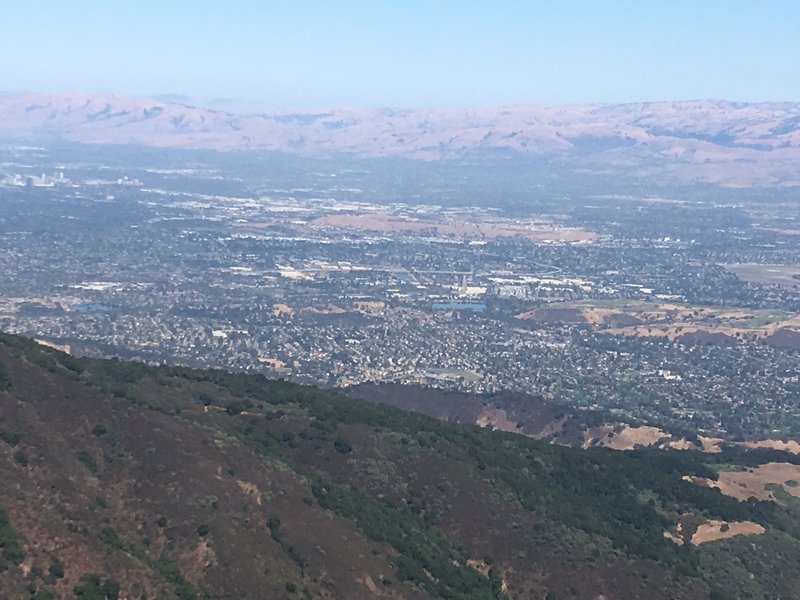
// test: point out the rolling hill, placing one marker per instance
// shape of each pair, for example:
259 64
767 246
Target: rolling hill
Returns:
732 144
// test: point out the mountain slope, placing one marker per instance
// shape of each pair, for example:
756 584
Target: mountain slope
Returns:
176 483
711 141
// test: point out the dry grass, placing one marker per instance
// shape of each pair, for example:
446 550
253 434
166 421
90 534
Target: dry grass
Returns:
782 275
383 222
282 309
711 444
713 530
672 321
624 437
753 482
787 446
496 418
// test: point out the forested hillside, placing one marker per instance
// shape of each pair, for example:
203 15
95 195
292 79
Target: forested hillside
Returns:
125 480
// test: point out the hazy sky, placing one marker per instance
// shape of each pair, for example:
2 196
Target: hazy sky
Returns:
406 52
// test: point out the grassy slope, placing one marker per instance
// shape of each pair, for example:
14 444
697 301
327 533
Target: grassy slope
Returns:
172 482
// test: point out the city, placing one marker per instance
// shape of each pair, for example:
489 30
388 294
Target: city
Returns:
586 306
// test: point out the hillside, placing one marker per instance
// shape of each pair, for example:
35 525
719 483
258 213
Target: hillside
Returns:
526 415
732 144
554 422
123 480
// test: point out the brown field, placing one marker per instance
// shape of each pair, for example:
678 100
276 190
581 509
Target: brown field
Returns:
787 446
497 419
712 531
618 436
753 482
677 321
711 444
387 223
622 437
384 222
282 309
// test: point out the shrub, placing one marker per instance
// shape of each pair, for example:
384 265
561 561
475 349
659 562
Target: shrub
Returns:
9 437
5 378
21 458
342 446
87 460
56 569
96 588
234 408
10 549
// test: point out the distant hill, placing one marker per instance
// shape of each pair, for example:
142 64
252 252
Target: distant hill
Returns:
127 481
526 415
555 422
733 144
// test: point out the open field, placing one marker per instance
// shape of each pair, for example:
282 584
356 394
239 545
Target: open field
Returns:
384 222
787 446
624 437
783 275
775 482
720 530
676 321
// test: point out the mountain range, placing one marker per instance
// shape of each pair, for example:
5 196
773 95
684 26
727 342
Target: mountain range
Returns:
709 141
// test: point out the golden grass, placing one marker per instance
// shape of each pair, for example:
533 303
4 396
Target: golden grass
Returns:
711 531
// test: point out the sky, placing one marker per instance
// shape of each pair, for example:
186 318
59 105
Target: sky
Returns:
406 52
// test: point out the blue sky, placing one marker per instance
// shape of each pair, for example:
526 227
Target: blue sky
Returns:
406 52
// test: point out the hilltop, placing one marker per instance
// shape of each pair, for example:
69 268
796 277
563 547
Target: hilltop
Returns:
128 480
733 144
